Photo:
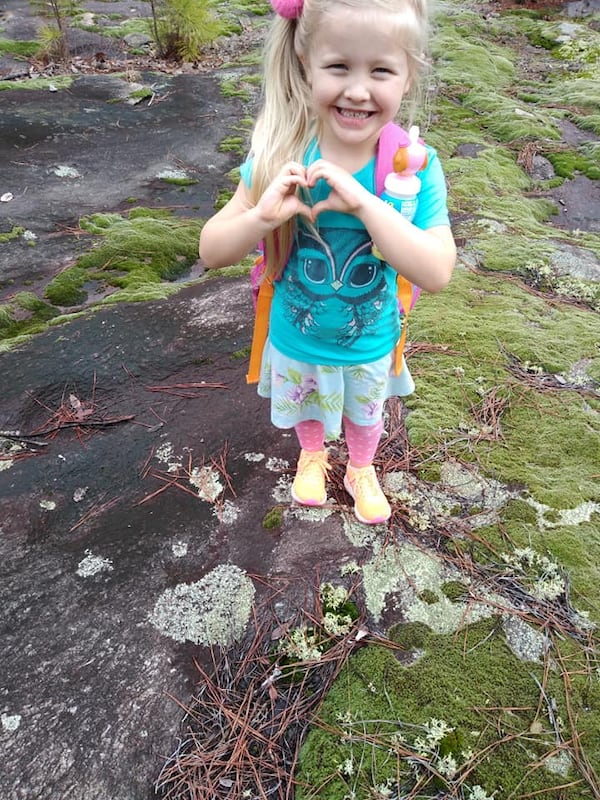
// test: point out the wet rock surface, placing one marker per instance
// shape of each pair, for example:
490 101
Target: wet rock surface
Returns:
85 149
88 683
86 551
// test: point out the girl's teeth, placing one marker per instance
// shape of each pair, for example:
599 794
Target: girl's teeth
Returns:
355 114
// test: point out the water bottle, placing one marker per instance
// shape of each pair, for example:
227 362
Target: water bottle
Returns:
401 187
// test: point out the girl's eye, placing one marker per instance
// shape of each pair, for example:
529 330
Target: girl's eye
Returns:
337 66
383 70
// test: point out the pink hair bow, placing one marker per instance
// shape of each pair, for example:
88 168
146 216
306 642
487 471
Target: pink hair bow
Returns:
290 9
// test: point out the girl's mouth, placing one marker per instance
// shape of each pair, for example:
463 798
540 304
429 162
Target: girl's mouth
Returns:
351 113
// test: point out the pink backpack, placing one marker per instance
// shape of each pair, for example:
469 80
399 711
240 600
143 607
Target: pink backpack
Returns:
392 138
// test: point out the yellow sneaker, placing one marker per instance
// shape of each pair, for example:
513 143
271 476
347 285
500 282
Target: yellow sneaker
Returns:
308 487
370 503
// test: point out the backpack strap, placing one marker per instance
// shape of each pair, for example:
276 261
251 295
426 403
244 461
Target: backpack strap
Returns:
262 312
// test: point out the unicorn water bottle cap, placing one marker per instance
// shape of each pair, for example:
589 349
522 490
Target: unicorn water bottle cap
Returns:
412 157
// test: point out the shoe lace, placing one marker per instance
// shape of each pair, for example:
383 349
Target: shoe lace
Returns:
317 459
366 484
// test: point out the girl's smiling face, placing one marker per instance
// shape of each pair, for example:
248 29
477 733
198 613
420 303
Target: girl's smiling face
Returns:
358 74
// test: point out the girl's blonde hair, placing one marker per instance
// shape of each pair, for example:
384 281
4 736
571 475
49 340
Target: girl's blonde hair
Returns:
286 123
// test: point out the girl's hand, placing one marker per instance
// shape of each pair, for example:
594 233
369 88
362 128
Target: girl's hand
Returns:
280 201
347 195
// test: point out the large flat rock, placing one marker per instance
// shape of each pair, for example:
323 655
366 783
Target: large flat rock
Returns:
87 680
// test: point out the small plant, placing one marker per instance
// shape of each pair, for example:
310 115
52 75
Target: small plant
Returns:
310 642
53 38
182 27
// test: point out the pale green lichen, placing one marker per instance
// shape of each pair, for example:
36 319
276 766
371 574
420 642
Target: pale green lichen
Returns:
64 171
357 533
309 514
527 643
213 610
302 644
93 565
410 577
282 491
226 512
563 516
180 549
165 454
207 483
254 458
8 451
10 722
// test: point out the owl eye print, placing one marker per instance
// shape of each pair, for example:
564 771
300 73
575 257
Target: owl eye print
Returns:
339 279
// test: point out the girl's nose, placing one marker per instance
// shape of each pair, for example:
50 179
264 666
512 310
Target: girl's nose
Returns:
357 91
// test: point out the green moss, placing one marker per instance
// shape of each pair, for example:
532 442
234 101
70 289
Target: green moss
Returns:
143 93
465 62
145 245
507 121
234 144
243 352
552 431
494 183
573 90
587 122
25 315
519 510
59 82
223 198
176 181
474 684
576 548
455 591
66 289
233 87
273 518
14 233
18 48
567 164
258 7
136 255
429 597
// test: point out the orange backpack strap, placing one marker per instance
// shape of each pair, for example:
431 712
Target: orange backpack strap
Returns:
405 299
261 328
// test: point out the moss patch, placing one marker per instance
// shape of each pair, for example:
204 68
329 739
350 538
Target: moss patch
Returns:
24 315
13 233
137 254
18 48
467 713
273 518
556 431
59 82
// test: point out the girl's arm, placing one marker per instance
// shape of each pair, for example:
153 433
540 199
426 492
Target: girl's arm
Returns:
237 228
425 257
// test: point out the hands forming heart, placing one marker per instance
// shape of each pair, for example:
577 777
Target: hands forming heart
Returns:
281 199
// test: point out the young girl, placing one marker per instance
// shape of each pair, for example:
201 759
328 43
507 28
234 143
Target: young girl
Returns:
336 71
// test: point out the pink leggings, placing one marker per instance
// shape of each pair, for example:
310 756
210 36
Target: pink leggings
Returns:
362 440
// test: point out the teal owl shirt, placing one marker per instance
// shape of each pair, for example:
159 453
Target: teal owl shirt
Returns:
336 302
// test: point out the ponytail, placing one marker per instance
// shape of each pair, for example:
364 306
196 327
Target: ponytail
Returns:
283 129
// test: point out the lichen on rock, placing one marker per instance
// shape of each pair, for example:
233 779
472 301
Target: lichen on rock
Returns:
213 610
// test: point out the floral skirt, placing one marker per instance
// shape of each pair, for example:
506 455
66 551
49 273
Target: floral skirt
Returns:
301 391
